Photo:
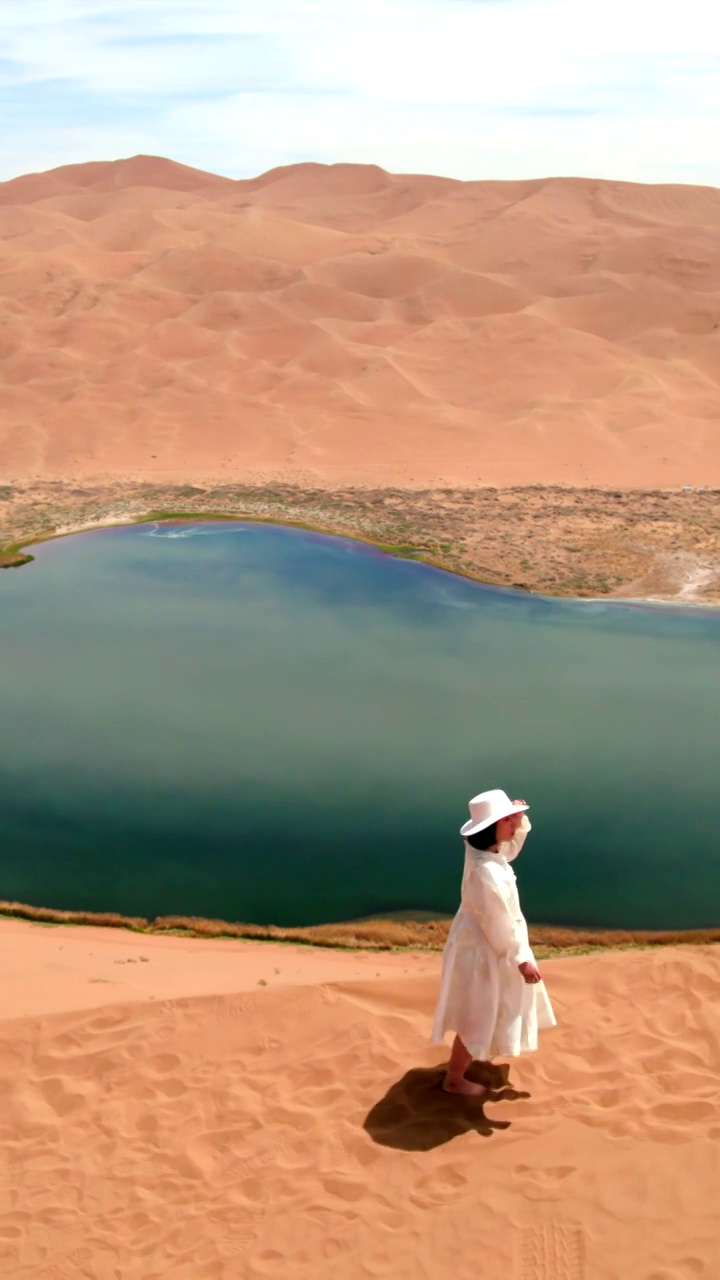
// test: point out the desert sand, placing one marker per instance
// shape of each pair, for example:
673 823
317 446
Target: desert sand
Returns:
218 1110
343 325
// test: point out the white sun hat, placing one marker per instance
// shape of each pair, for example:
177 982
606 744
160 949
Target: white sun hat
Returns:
489 807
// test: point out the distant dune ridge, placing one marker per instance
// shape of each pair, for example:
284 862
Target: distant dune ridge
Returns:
341 324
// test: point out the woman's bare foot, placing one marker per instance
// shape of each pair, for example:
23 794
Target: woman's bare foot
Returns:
458 1084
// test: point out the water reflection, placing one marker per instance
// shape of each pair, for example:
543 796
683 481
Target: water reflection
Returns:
260 723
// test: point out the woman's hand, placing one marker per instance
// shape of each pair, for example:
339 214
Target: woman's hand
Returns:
530 971
520 802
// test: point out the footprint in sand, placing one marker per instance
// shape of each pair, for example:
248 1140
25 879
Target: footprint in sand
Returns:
347 1189
171 1088
110 1021
445 1185
390 1216
231 1007
680 1122
236 1243
270 1262
548 1183
163 1063
608 1098
211 1150
66 1043
327 994
62 1100
333 1249
366 1153
685 1111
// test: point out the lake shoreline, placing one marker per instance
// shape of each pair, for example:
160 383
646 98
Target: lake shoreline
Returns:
629 546
396 932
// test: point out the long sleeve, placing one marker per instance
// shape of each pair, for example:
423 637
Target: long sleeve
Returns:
505 930
513 847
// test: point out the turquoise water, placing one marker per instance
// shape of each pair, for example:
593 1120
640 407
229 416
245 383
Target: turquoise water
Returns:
266 725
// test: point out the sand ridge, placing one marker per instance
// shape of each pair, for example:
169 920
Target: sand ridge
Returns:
299 1128
343 325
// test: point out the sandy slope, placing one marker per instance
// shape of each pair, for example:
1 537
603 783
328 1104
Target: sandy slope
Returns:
344 325
297 1129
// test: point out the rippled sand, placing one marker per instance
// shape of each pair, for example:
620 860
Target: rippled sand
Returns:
210 1110
343 325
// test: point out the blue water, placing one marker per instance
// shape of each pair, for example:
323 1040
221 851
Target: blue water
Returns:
266 725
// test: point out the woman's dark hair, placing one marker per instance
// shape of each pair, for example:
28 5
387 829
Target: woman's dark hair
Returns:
484 839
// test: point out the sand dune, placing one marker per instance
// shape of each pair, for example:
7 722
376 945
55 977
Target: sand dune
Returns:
175 1116
342 325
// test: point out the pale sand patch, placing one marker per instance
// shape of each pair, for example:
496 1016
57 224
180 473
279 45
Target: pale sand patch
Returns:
298 1129
51 968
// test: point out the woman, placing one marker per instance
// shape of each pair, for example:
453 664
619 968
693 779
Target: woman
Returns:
491 992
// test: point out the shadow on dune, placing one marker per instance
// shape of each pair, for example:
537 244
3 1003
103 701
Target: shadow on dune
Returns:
417 1115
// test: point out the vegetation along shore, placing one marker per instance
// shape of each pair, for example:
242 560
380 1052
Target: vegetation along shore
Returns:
554 540
382 933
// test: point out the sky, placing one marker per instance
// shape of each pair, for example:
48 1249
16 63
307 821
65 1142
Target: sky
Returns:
624 89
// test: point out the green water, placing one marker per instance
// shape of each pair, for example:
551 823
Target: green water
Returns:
266 725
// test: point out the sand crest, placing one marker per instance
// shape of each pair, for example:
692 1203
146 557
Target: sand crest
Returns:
340 325
297 1128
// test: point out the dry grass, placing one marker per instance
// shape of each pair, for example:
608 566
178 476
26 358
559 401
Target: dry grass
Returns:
555 540
380 934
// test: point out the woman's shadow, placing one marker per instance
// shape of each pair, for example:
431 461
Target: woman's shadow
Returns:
417 1114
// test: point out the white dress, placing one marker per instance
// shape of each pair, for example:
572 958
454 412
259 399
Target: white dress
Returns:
483 995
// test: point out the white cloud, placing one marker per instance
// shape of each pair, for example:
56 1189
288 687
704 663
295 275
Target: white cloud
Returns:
469 88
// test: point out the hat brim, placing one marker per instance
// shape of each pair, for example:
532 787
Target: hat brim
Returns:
471 828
